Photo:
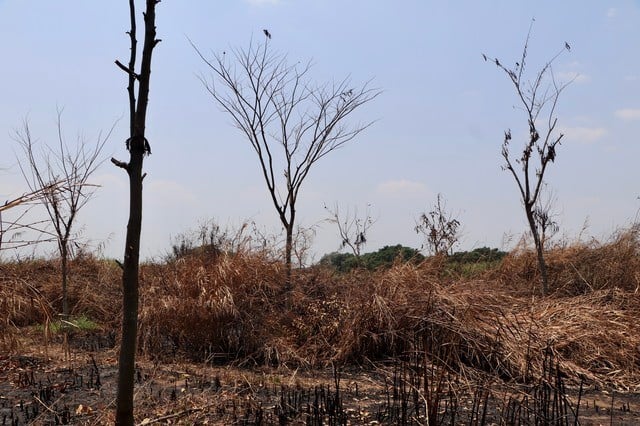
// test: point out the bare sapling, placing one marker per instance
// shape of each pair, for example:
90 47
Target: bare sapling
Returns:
138 146
61 174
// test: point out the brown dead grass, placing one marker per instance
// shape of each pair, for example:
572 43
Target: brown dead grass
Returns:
578 268
216 308
226 308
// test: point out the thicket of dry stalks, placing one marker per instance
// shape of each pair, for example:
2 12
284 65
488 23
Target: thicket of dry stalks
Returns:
224 307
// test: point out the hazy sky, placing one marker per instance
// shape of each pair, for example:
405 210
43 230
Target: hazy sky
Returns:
440 118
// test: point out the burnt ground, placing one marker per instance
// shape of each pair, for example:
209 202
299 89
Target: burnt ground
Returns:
48 385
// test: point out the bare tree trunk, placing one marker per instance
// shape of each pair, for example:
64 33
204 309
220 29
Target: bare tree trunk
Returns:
126 371
542 266
138 147
288 252
287 255
543 269
64 258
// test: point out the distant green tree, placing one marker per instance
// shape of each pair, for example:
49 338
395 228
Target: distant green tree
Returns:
482 254
383 258
470 264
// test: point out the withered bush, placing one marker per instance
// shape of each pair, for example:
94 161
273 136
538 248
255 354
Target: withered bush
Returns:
386 311
31 294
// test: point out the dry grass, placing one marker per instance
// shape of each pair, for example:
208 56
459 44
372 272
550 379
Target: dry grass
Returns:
230 308
217 308
579 268
31 295
31 290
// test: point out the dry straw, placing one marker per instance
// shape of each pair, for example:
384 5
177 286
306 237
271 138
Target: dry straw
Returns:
230 307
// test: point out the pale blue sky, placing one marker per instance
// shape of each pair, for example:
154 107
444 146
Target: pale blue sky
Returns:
441 115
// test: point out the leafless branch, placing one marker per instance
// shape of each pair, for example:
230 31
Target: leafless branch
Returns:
125 69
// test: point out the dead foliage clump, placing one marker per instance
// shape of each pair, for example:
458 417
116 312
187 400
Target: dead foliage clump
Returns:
385 311
594 336
23 300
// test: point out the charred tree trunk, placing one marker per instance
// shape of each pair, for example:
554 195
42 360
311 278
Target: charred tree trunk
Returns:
126 370
138 147
289 224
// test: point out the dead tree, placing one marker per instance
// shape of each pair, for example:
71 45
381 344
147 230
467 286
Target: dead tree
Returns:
439 228
138 147
70 167
290 122
538 98
352 228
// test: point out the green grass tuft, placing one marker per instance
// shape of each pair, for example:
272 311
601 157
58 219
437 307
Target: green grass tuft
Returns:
81 322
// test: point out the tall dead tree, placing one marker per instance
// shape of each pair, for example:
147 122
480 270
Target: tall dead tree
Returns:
138 147
290 122
65 170
538 98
